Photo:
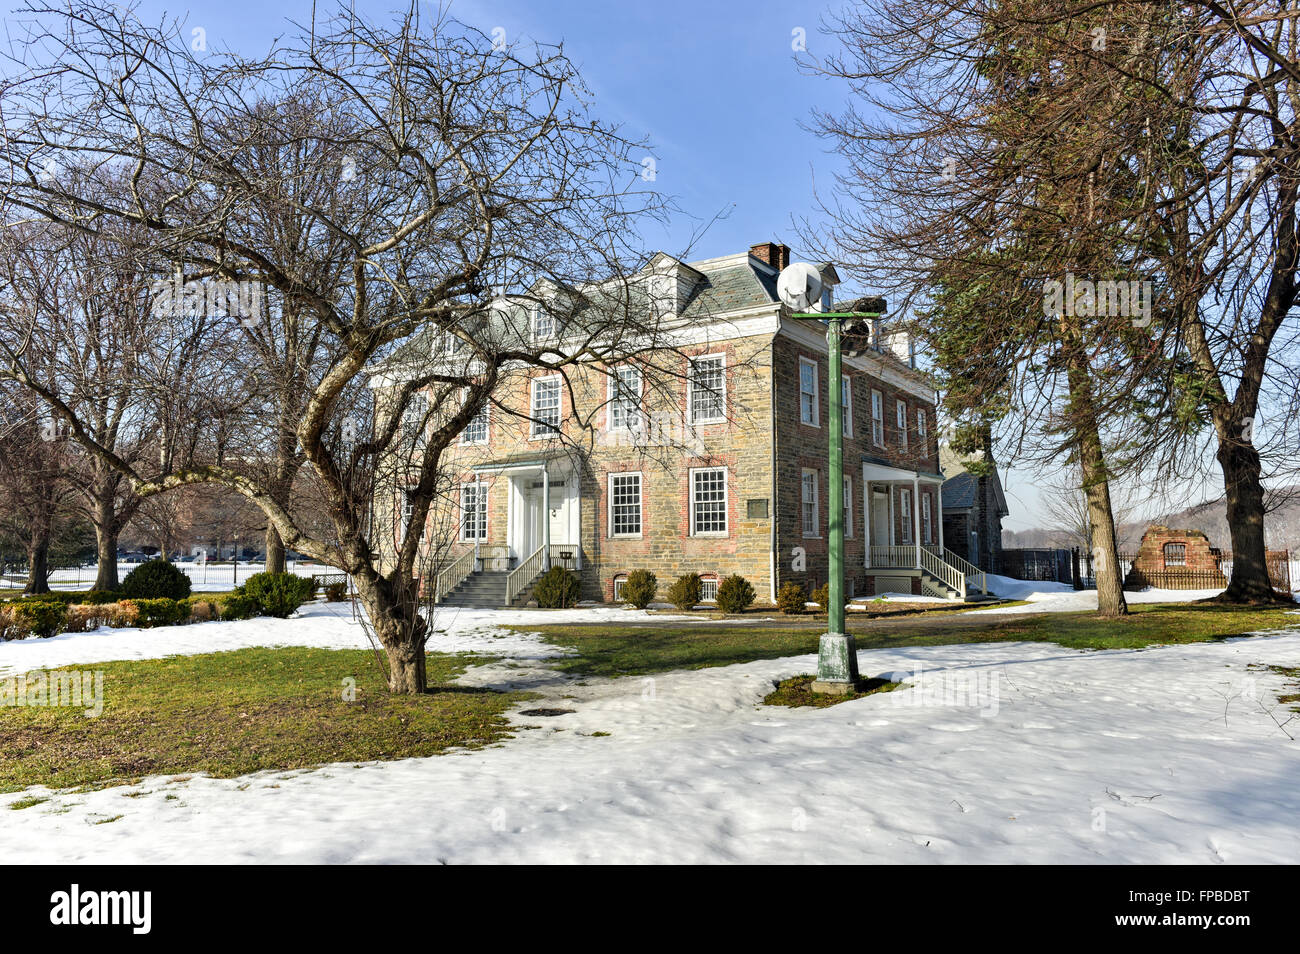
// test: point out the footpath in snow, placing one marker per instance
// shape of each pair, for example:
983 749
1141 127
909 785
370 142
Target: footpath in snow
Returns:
1006 752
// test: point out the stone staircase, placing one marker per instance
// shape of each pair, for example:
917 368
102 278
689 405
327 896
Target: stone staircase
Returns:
484 589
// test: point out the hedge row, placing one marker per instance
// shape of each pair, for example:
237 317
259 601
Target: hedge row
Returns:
735 593
48 614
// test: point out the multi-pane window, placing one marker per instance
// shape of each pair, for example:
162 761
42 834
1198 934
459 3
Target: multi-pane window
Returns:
927 532
661 296
625 505
415 416
1175 554
877 419
922 432
905 514
707 395
901 420
473 511
709 589
618 588
408 509
476 431
809 502
846 404
808 403
709 501
546 407
544 324
625 398
847 504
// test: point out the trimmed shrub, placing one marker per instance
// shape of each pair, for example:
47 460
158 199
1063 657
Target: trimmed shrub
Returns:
557 588
639 588
203 611
238 606
735 594
12 626
792 598
822 596
43 618
336 592
277 594
155 580
122 614
162 612
97 598
686 592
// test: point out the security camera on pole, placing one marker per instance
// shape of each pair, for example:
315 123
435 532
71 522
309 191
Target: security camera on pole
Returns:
800 289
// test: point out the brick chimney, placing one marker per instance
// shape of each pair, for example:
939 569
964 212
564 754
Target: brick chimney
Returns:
778 256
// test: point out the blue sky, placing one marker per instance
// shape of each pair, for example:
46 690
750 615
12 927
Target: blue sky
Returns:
713 86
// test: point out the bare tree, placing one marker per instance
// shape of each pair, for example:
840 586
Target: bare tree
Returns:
467 170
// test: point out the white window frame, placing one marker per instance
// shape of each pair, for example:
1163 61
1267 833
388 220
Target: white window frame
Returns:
808 506
640 505
900 416
619 582
692 502
480 509
905 516
707 584
543 325
483 413
922 433
811 415
721 357
846 406
539 430
632 415
847 504
927 520
877 418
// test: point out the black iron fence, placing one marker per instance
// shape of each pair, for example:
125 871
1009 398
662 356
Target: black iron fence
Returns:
1038 563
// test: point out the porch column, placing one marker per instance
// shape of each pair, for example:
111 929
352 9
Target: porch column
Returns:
890 488
546 517
938 496
916 517
866 520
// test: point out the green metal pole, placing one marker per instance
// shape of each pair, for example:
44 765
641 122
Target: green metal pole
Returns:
837 657
835 612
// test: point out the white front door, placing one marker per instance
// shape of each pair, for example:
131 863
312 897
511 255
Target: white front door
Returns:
879 517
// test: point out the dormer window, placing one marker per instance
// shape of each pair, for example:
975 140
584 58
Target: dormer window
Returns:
544 324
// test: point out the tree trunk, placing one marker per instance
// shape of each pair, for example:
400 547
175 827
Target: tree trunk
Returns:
400 629
1105 550
38 563
275 562
1245 496
106 555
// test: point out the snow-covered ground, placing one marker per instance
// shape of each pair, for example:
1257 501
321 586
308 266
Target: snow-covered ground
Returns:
997 753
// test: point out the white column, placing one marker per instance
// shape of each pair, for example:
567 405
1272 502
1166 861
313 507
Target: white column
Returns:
866 520
889 487
916 518
577 502
938 496
546 518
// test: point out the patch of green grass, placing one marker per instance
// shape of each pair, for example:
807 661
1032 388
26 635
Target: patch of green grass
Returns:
250 710
797 691
1290 698
642 650
27 802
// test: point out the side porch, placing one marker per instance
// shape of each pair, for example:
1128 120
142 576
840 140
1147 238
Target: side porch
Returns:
904 548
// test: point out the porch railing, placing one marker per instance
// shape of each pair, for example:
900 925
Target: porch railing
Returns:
453 575
518 579
893 556
969 570
949 575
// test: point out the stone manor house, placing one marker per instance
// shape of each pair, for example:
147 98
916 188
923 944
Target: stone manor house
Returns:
718 468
